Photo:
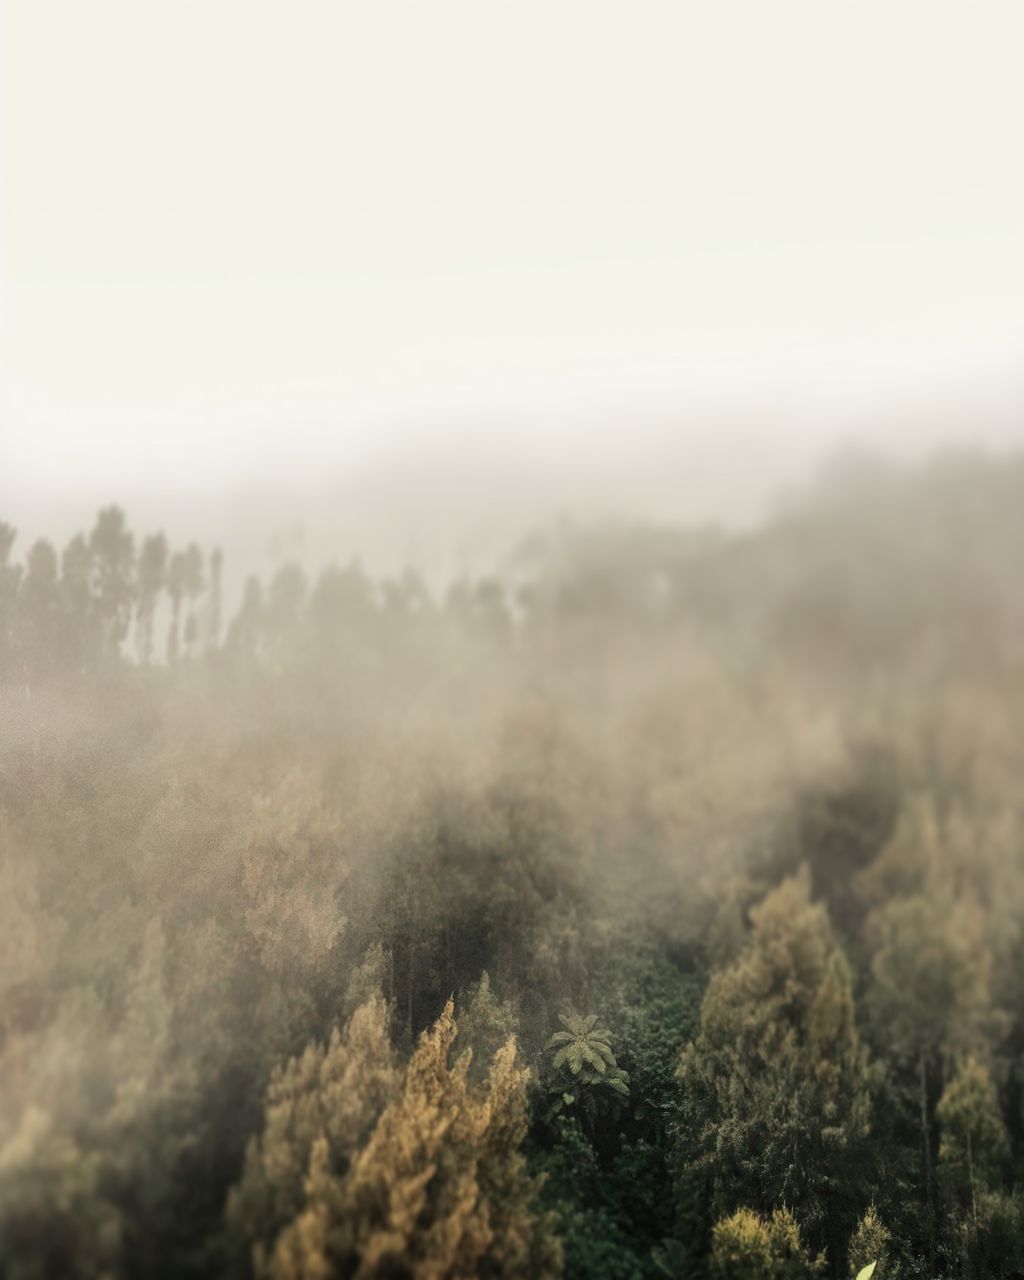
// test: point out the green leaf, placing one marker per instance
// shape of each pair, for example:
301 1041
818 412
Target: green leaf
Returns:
865 1273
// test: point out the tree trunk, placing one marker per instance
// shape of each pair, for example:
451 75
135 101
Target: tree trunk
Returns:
927 1148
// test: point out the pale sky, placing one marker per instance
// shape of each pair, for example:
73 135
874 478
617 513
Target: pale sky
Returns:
244 236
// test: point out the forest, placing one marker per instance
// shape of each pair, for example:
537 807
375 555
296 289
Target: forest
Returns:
653 907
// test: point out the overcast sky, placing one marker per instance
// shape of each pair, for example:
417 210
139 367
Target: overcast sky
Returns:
256 237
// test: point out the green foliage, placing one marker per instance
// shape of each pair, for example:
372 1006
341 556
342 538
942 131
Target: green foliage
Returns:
485 1024
582 1073
776 1100
973 1147
745 1246
331 1095
240 878
870 1249
985 1232
439 1188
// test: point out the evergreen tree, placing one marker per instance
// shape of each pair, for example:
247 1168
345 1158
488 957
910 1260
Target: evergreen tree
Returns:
82 639
177 570
245 631
55 1219
113 578
216 599
929 1004
152 575
871 1246
318 1111
985 1226
10 575
439 1190
776 1102
485 1024
40 624
193 583
745 1246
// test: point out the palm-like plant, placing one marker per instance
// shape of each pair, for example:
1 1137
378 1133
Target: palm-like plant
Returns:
583 1070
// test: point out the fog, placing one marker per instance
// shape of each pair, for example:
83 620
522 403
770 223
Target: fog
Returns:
302 242
511 522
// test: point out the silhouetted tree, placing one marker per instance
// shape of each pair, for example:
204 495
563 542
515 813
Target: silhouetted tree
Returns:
83 634
192 584
216 599
177 572
152 576
10 576
113 578
41 623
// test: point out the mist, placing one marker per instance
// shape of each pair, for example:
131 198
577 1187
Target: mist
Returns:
511 519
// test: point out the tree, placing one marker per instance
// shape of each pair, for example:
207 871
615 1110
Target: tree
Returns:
870 1247
984 1224
745 1246
113 578
192 583
485 1024
283 613
973 1147
324 1102
40 625
216 598
176 575
10 575
582 1072
776 1103
929 1003
439 1190
292 870
152 575
243 638
55 1219
83 640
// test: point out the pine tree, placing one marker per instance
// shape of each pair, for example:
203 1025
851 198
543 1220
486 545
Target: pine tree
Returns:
929 1004
213 620
485 1024
776 1102
439 1190
77 603
246 628
985 1226
152 573
871 1245
318 1111
192 582
113 578
10 577
176 576
40 625
745 1246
